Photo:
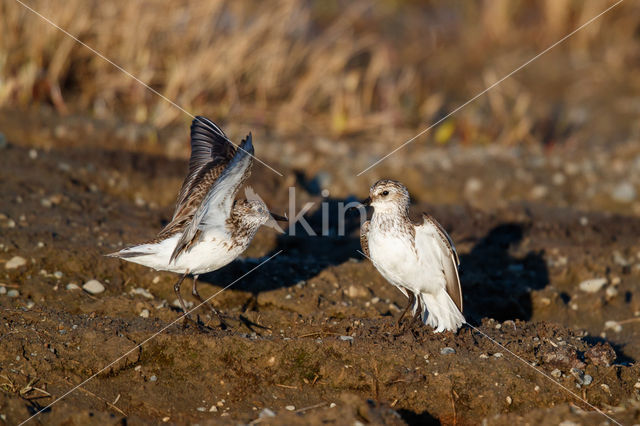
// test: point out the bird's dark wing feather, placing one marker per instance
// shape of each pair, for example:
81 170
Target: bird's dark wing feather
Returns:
215 208
211 152
364 238
450 263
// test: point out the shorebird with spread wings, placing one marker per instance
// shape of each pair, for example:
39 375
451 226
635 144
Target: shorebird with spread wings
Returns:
209 228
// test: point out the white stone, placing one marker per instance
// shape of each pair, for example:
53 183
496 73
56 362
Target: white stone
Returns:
624 192
290 407
613 325
142 292
15 262
266 413
144 313
592 285
13 293
93 287
72 286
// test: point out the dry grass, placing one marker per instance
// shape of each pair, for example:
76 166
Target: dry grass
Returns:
331 67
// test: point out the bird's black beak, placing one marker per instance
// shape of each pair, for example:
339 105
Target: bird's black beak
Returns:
366 202
278 217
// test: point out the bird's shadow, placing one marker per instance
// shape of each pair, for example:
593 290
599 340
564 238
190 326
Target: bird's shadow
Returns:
496 284
319 240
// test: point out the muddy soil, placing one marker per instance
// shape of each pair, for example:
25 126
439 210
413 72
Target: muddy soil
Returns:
313 337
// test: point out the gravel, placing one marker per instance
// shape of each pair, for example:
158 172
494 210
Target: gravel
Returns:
93 287
624 192
15 262
593 285
266 413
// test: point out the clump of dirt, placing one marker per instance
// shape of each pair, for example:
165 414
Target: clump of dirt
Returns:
313 337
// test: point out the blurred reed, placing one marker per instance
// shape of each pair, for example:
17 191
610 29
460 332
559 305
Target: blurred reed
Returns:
332 67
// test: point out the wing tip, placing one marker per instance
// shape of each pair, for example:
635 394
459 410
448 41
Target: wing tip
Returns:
202 121
247 144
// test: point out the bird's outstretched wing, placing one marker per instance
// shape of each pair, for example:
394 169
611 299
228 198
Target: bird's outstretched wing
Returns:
450 259
215 208
211 152
364 238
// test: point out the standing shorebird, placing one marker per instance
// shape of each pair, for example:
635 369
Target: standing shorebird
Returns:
209 229
419 259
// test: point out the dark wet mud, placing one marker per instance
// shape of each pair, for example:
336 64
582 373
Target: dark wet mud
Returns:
313 336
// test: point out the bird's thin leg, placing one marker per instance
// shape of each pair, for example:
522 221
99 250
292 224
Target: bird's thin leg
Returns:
176 288
194 292
411 300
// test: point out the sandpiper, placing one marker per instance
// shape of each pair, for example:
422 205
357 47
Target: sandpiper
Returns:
419 259
209 228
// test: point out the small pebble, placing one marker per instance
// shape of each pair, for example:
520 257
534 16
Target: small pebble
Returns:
613 325
587 379
33 154
333 404
346 338
447 351
153 378
556 373
144 313
13 293
72 286
509 400
201 409
93 287
15 262
592 285
266 413
166 419
498 355
624 192
58 274
142 292
213 409
637 385
290 407
3 290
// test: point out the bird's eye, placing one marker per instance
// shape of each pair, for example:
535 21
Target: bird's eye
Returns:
385 193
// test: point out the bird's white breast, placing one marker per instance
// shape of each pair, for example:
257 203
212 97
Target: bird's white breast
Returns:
406 261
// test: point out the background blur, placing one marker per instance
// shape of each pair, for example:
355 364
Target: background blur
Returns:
352 78
328 67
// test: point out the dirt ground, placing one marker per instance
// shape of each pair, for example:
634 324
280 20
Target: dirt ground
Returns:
313 337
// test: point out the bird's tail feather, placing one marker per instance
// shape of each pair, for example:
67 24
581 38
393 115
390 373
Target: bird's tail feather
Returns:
135 251
440 312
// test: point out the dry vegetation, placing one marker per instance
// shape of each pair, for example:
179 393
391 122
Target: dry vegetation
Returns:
334 67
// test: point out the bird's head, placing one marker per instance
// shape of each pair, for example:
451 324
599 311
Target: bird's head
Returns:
388 195
254 213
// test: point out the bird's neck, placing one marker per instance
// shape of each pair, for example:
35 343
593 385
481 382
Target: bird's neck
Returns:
390 219
241 230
